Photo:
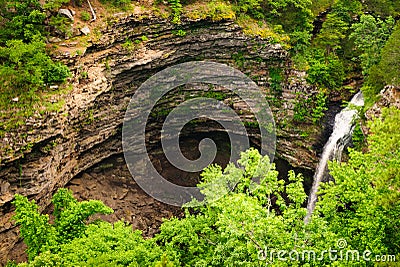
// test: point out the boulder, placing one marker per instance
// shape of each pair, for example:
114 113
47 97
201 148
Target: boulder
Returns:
85 30
67 13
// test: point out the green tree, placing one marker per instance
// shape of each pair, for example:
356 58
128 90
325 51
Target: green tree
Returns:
389 65
326 71
370 36
70 216
22 19
362 205
386 72
249 210
332 33
38 233
383 8
24 69
241 218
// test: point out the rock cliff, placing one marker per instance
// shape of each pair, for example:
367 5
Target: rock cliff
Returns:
53 148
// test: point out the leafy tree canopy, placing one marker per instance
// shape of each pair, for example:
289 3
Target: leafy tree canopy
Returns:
243 222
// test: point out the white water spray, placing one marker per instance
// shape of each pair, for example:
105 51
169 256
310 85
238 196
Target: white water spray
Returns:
340 137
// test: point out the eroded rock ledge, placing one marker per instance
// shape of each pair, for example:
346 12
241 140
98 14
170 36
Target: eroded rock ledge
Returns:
51 149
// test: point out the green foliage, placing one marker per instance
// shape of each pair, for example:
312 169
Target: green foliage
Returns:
85 16
21 19
70 216
319 6
318 112
276 79
117 3
214 94
363 203
176 7
104 244
25 70
383 8
38 233
26 67
251 7
128 45
239 59
386 72
219 11
347 10
241 216
389 66
54 5
358 137
325 71
121 3
247 210
180 33
332 33
301 108
370 36
62 24
310 108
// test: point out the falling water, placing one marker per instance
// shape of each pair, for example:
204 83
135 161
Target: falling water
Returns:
340 137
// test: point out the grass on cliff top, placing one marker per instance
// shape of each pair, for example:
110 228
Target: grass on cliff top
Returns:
17 108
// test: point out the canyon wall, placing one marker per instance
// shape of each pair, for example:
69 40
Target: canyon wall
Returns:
54 147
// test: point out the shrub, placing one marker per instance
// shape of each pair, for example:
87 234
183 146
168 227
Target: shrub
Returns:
54 5
62 24
176 7
325 71
318 111
70 216
219 11
85 16
21 19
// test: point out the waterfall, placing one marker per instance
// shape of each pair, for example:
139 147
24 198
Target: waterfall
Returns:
340 137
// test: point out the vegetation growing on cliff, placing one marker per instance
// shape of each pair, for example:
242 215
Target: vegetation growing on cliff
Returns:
26 70
342 42
247 226
362 207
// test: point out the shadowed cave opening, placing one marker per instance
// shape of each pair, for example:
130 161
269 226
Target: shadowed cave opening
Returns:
111 182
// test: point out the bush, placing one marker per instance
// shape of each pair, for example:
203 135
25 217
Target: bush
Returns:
85 16
62 24
54 5
28 65
25 69
219 11
370 36
176 7
325 71
389 66
56 73
21 19
318 111
117 3
387 71
70 216
248 211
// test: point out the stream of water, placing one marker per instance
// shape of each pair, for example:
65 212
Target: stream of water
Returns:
340 137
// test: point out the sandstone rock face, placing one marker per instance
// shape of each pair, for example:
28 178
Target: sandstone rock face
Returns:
389 97
53 148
